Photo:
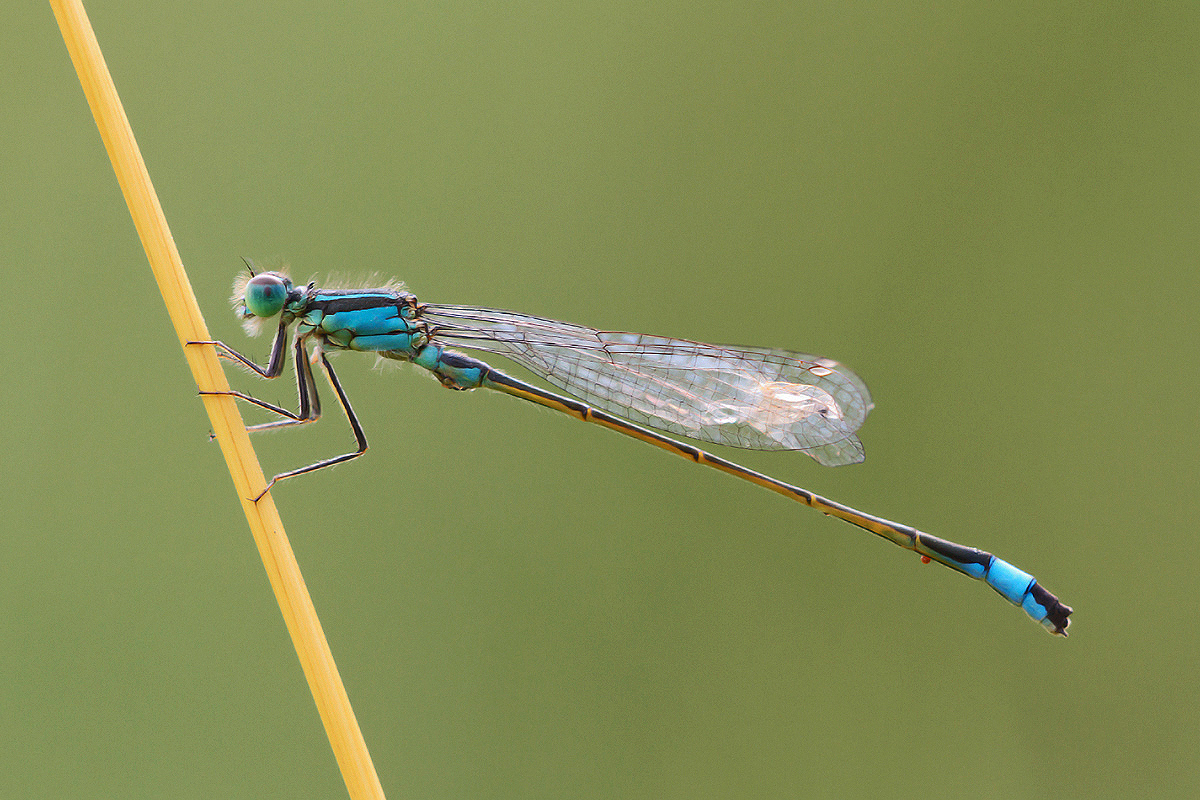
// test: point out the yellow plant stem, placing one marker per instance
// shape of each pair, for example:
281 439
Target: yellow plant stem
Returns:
284 573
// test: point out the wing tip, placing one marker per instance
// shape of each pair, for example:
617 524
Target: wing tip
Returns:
838 454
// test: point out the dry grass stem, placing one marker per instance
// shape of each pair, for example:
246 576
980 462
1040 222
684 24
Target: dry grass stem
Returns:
282 570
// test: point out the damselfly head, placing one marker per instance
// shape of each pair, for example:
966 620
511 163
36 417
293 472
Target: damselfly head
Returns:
257 298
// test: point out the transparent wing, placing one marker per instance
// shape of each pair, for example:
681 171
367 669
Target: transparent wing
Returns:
751 397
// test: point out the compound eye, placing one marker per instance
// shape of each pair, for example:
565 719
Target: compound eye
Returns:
266 294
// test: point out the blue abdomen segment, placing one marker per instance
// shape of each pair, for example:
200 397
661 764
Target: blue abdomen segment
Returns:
1009 581
453 369
1022 589
1015 585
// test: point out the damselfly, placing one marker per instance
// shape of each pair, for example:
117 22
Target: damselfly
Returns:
750 397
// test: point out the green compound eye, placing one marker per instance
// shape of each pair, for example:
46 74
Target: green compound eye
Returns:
266 294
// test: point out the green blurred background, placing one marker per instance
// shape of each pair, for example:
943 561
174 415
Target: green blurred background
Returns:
990 212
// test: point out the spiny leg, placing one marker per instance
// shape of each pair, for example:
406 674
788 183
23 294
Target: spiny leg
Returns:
359 436
274 367
306 390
